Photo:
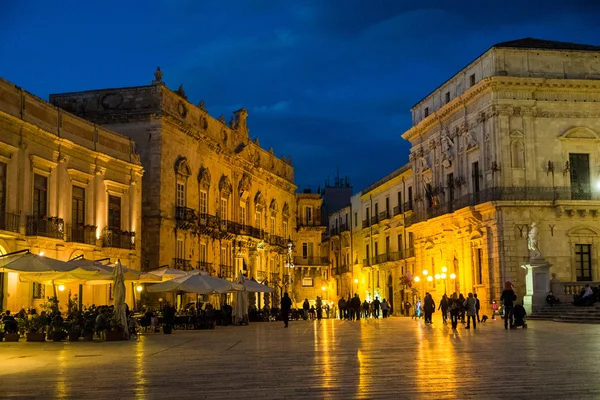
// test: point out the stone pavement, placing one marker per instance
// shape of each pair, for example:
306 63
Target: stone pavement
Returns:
397 358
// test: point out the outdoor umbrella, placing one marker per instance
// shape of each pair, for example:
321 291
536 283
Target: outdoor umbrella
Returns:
167 273
61 278
197 283
240 303
119 315
251 285
27 262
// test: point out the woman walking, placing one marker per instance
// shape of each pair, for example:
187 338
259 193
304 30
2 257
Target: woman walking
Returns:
471 310
454 306
444 307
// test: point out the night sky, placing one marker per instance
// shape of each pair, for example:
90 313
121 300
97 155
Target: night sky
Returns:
329 83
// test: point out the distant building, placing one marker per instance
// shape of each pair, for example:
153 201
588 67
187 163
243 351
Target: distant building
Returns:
68 188
213 198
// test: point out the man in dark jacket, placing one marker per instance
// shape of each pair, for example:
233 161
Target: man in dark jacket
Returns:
305 308
342 307
508 299
376 307
286 306
356 306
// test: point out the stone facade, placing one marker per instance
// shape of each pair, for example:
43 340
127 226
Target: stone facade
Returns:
68 188
517 144
213 198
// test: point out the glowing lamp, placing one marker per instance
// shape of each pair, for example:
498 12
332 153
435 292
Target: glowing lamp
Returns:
425 272
42 253
437 277
443 276
444 269
429 278
356 281
417 279
139 288
452 276
323 288
61 288
598 185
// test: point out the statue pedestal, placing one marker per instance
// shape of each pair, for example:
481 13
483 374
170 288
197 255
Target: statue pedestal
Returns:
537 283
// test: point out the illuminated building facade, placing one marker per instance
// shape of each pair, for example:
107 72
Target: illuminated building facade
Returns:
68 188
213 198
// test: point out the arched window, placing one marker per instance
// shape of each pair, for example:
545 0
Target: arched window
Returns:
182 172
204 180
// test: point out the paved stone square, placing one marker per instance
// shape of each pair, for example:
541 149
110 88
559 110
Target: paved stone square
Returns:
397 358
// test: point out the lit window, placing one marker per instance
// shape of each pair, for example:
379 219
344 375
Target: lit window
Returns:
203 202
180 194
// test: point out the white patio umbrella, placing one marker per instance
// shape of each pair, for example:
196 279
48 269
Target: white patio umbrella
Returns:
27 262
167 273
240 303
119 314
61 278
251 285
106 273
197 283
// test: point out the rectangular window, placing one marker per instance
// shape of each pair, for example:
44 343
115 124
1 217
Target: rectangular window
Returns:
40 195
78 206
2 188
307 281
285 229
450 184
272 225
583 262
426 112
346 219
39 290
447 97
243 213
368 215
400 202
224 257
387 245
375 249
203 253
429 195
304 250
411 240
114 212
180 249
410 198
180 194
368 254
472 80
475 176
308 215
257 219
224 209
203 202
376 210
355 219
400 242
479 255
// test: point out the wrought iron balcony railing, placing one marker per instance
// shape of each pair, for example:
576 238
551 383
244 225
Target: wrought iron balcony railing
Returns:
408 206
185 216
114 237
314 260
52 227
182 264
365 223
81 234
226 271
206 266
9 221
374 219
384 215
397 210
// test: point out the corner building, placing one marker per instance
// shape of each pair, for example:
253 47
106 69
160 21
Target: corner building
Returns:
68 188
213 199
511 139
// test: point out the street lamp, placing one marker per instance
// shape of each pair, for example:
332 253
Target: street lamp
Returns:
61 288
356 281
139 288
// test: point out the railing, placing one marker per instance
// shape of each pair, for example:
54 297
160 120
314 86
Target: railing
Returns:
9 221
566 290
299 260
344 228
226 271
344 269
182 264
304 222
380 258
384 215
374 219
81 234
366 262
206 266
365 223
185 214
334 231
114 237
498 194
52 227
275 240
397 210
408 253
408 206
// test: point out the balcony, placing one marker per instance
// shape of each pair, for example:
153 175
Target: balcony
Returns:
408 253
182 264
275 240
314 261
116 238
365 223
226 272
366 262
384 215
397 210
206 266
52 227
309 222
374 220
274 277
408 206
9 221
185 217
81 234
344 228
552 194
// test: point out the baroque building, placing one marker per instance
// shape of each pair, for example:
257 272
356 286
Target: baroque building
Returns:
68 188
213 199
510 140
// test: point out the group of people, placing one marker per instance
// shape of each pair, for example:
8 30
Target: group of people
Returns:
455 306
311 311
354 309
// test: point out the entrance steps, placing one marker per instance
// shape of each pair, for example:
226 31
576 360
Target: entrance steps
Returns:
567 312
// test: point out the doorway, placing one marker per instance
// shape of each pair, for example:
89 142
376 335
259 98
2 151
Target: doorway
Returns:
580 176
390 298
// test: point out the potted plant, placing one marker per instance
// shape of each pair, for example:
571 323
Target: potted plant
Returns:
57 333
11 331
88 327
75 329
115 332
35 331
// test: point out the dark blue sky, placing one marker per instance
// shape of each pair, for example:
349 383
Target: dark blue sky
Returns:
328 82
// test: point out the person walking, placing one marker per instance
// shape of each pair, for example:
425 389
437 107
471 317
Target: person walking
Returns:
365 309
477 307
305 308
454 308
384 308
429 306
508 299
376 307
342 307
319 308
286 307
444 307
356 305
470 309
461 301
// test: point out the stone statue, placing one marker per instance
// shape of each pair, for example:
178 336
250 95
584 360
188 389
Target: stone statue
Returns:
447 146
422 164
232 123
158 75
201 105
533 241
469 139
222 118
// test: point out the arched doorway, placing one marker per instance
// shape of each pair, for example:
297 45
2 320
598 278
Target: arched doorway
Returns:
390 299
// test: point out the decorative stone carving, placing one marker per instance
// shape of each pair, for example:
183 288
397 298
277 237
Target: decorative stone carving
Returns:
533 238
469 140
182 109
240 121
245 184
232 123
157 76
181 92
222 119
111 101
225 185
447 148
204 177
181 166
201 105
